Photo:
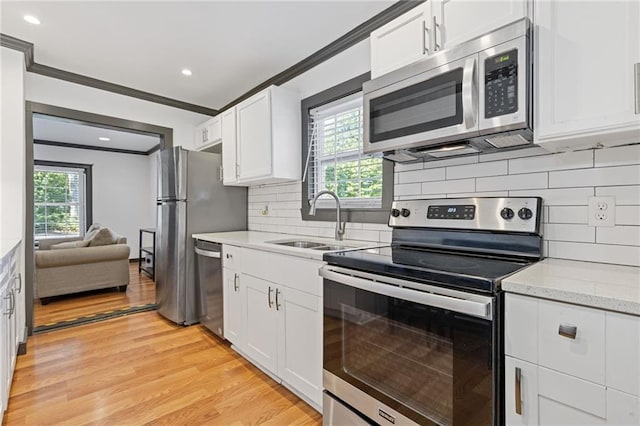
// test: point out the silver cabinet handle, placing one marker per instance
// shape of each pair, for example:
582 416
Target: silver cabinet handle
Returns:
220 173
235 282
269 297
214 254
11 297
277 299
636 70
518 394
436 46
425 31
19 278
8 311
205 134
568 331
229 256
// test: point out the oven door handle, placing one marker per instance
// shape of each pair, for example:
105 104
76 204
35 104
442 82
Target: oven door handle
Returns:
481 307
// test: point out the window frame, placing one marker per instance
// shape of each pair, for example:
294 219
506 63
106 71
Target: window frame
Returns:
88 189
350 214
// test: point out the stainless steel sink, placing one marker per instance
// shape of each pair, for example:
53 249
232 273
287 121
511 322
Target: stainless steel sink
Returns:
332 247
298 243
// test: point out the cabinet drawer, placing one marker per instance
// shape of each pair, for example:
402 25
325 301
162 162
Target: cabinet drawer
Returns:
573 393
623 352
581 355
231 256
622 409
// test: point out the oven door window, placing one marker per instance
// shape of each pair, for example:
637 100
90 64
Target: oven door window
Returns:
432 104
430 364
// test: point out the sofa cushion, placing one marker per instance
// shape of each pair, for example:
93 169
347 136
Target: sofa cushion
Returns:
55 258
70 244
102 237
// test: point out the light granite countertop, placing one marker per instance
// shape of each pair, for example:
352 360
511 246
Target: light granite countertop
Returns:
597 285
262 241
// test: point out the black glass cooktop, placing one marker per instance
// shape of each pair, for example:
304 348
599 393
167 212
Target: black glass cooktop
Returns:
456 270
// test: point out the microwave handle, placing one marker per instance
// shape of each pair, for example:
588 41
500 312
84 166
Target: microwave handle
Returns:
470 93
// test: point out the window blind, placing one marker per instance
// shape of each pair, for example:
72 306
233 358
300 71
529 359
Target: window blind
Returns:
336 161
59 202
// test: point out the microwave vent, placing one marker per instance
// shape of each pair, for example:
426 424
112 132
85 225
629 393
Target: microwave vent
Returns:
506 141
400 156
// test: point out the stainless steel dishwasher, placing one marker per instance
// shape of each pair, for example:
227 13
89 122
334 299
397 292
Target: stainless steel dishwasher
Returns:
209 266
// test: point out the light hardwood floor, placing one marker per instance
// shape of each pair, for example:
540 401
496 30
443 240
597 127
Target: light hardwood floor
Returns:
140 291
141 369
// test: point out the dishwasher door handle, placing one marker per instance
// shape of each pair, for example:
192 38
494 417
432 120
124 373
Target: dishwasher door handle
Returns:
215 254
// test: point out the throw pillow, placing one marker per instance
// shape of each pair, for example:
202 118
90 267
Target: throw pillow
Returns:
70 244
103 237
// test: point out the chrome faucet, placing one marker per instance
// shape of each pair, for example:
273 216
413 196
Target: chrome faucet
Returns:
339 223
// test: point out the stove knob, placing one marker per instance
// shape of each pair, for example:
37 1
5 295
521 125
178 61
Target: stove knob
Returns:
405 212
506 213
525 213
395 212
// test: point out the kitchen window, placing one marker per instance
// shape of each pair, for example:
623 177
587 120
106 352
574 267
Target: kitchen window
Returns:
334 160
61 199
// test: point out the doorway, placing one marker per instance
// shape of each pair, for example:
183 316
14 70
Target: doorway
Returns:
83 168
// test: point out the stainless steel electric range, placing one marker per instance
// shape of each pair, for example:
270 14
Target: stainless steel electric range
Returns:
413 331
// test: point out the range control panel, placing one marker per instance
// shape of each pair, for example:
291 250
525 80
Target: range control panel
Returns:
510 214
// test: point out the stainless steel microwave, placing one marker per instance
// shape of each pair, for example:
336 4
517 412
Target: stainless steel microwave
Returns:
474 97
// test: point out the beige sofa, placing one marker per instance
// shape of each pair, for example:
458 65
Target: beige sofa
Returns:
62 269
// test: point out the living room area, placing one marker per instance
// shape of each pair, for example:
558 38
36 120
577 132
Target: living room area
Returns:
94 190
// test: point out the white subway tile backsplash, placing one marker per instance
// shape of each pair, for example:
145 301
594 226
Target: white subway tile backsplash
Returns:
625 195
493 168
558 197
561 161
627 215
423 175
603 176
449 186
568 214
569 232
618 156
512 182
622 235
604 253
565 181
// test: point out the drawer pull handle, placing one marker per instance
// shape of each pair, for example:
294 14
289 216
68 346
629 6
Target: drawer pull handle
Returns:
269 297
229 256
568 331
518 391
235 282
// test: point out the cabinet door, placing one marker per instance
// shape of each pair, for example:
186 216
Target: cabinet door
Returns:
300 348
229 147
233 308
214 132
622 408
261 342
521 385
5 374
461 20
254 137
19 290
586 54
402 41
201 135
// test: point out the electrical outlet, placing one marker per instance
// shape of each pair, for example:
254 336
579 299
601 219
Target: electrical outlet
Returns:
602 211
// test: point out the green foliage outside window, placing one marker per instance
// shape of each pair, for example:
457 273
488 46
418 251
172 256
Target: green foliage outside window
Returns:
56 203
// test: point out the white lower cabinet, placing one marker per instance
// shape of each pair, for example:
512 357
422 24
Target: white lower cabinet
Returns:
570 365
273 316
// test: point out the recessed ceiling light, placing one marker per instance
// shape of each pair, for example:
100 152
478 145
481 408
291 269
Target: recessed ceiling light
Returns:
186 71
102 138
32 19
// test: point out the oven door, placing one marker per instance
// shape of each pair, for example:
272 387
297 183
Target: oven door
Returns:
432 107
402 352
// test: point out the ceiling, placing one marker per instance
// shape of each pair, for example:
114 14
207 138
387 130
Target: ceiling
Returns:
230 46
54 129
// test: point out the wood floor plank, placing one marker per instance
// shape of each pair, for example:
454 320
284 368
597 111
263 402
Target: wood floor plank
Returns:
141 369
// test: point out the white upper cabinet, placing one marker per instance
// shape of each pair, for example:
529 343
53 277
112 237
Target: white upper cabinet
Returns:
402 41
265 140
208 133
587 56
436 25
456 21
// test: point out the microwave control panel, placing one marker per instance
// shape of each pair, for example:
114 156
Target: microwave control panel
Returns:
501 84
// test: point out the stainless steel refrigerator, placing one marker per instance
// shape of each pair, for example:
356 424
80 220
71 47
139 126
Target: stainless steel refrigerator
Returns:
191 199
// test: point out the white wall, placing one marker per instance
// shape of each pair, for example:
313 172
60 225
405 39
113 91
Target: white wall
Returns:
12 163
121 188
61 93
564 181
